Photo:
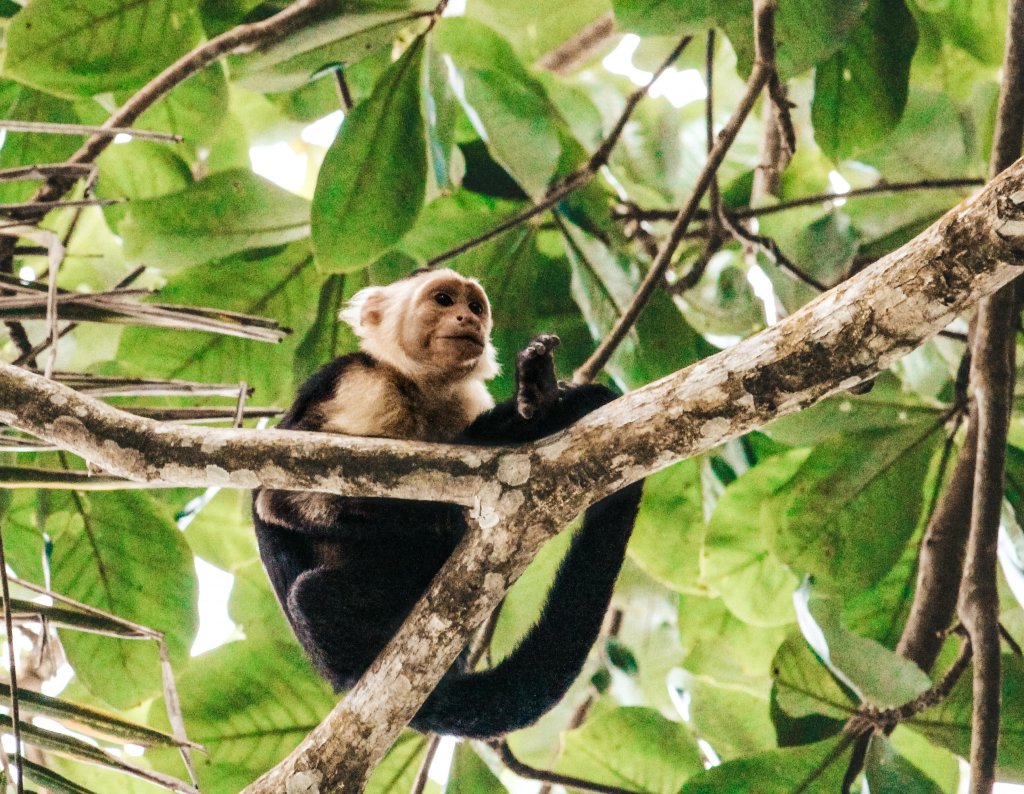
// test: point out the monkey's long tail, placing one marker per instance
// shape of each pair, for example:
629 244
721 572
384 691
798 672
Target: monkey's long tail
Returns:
535 676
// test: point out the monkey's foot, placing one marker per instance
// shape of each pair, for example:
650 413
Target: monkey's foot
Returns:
536 384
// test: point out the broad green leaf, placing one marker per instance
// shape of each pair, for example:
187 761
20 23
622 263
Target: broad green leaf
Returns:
666 540
885 407
195 109
525 599
853 506
398 769
936 763
224 214
804 686
82 49
373 178
221 532
860 92
603 284
733 721
975 26
887 770
632 748
815 767
447 163
249 703
536 27
342 35
806 32
282 285
139 170
738 561
949 723
879 676
724 649
470 775
657 17
509 110
28 148
124 555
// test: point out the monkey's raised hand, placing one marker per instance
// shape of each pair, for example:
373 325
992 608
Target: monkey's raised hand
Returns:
536 384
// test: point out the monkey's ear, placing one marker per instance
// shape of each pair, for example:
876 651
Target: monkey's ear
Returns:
364 310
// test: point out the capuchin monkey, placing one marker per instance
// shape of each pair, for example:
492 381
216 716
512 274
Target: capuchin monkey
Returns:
347 571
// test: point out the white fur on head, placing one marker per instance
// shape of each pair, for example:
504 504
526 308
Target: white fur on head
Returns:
376 313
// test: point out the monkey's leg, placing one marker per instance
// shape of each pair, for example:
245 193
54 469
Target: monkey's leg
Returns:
344 620
537 673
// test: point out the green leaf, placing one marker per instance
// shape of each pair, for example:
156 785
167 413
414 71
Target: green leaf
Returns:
282 284
128 558
806 33
398 769
221 532
87 48
733 721
509 110
879 676
139 170
860 92
723 648
470 775
804 686
666 540
342 35
225 213
949 723
373 178
853 506
813 767
738 562
887 770
249 703
975 26
657 17
603 285
28 148
632 748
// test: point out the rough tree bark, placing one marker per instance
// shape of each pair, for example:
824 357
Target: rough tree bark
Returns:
520 496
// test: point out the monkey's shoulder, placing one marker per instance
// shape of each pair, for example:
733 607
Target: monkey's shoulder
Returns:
359 395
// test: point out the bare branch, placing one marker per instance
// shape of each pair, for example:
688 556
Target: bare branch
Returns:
577 50
764 67
631 212
531 773
575 180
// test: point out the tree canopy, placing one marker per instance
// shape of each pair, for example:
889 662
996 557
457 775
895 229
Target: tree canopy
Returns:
189 193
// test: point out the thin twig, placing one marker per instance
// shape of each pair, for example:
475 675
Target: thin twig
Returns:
579 48
632 212
575 180
770 249
31 354
20 206
764 13
54 128
9 623
531 773
343 92
423 773
45 171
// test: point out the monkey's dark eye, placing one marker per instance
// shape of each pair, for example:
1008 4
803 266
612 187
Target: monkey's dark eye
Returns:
444 299
476 307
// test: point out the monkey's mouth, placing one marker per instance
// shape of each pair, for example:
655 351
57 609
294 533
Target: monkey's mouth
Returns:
476 340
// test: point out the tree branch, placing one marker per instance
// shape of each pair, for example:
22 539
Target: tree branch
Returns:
575 180
764 68
520 497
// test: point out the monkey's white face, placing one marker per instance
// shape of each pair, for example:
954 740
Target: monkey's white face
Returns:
434 325
447 325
